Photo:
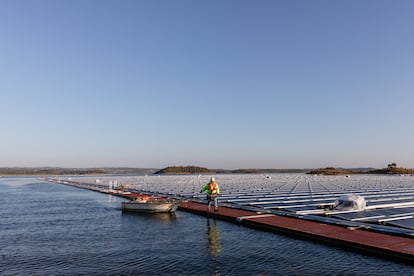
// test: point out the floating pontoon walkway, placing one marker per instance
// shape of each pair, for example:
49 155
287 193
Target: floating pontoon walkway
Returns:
378 244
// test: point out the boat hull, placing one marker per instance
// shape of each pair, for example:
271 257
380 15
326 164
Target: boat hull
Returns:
162 206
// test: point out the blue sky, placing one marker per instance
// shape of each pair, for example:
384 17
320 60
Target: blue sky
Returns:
219 84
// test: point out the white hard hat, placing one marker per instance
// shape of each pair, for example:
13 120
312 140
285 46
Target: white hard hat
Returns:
212 179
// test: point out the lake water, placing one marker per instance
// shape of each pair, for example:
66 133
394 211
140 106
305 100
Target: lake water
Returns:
52 229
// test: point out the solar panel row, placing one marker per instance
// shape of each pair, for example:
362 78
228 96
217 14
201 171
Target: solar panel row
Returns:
390 198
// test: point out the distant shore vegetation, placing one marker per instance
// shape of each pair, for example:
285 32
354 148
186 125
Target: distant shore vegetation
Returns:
184 170
330 171
392 168
71 171
201 170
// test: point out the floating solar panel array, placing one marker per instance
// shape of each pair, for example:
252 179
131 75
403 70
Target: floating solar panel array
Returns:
389 198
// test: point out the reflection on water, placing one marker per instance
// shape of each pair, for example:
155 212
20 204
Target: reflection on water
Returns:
213 237
162 217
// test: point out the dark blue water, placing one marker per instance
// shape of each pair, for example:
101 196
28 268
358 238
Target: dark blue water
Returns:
52 229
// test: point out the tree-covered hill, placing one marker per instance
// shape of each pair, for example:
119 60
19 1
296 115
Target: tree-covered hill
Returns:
390 169
330 171
184 170
393 169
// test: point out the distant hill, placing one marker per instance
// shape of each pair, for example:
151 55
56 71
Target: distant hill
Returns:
390 169
393 169
184 170
201 170
331 171
262 171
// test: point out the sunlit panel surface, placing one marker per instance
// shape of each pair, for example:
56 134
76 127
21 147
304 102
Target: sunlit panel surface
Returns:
389 198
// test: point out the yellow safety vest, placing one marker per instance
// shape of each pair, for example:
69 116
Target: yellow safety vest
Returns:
213 187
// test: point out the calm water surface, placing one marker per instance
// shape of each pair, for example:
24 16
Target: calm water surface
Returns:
52 229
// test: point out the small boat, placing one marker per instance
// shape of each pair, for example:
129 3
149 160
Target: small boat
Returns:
150 205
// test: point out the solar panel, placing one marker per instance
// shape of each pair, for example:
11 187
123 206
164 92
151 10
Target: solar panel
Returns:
406 223
390 198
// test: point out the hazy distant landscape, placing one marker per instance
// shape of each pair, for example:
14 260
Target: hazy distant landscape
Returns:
390 169
72 171
168 170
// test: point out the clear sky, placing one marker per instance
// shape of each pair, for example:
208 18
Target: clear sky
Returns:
213 83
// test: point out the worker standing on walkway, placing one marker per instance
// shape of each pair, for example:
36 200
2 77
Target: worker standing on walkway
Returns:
213 191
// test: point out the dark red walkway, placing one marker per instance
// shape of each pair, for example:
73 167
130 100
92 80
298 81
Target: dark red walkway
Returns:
388 246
